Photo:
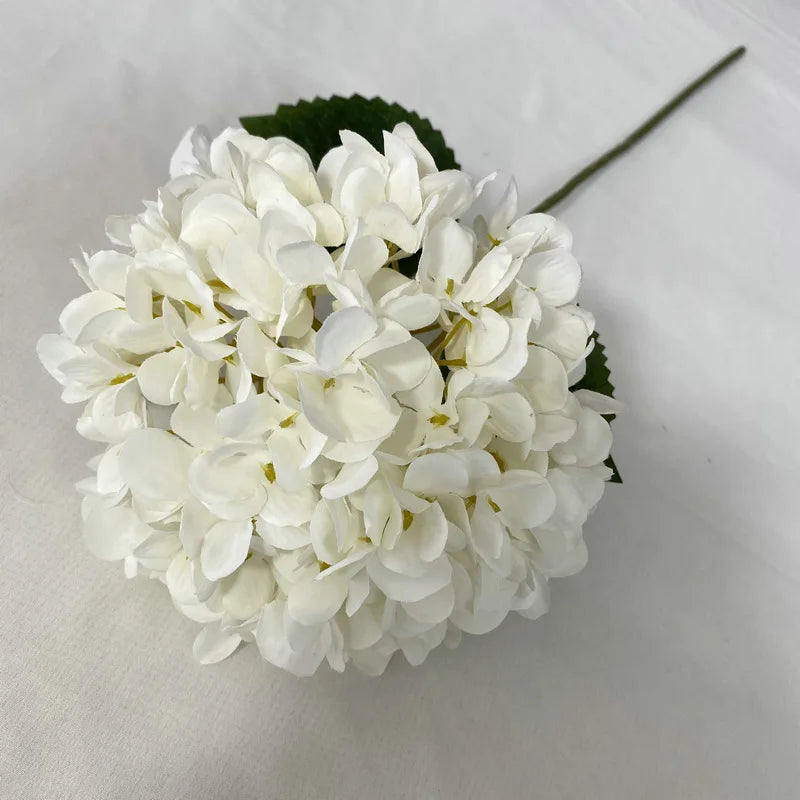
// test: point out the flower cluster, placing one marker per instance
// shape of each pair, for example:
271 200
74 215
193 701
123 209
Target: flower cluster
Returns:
310 448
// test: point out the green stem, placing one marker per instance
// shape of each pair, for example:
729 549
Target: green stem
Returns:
642 131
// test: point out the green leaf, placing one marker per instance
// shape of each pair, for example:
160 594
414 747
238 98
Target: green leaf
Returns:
315 125
598 379
598 375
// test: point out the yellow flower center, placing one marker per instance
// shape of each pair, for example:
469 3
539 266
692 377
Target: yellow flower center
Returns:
269 471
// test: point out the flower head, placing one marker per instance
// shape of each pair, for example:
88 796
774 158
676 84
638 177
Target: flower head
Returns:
313 445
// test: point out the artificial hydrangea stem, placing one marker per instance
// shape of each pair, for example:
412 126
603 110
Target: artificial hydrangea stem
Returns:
640 132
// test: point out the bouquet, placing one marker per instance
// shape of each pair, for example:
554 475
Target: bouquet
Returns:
347 405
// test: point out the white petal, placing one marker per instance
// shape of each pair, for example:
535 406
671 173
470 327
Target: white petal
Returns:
402 367
388 221
185 158
489 278
161 376
465 615
406 133
591 443
281 227
554 274
312 602
108 269
373 660
571 507
158 550
252 418
357 592
155 464
260 354
481 467
353 410
364 628
408 589
600 403
511 417
305 263
248 589
196 426
545 379
505 211
429 392
356 556
213 220
323 531
201 381
225 547
361 190
487 337
509 363
209 351
525 498
389 334
402 187
273 643
559 555
196 520
180 581
421 543
365 254
417 648
118 228
552 429
436 473
285 537
562 332
293 164
54 350
524 303
289 508
109 478
229 481
113 533
412 311
533 596
330 228
448 253
489 536
247 272
433 609
351 478
551 232
382 513
80 311
213 645
341 333
139 337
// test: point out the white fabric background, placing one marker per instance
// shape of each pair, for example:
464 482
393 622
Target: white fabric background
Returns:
671 666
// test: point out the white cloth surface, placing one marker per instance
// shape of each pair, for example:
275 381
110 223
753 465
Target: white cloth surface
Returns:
669 668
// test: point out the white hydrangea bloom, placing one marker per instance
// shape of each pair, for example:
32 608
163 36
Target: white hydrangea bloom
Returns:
311 450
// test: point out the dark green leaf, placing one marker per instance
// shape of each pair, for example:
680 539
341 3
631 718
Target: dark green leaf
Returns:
598 375
315 125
